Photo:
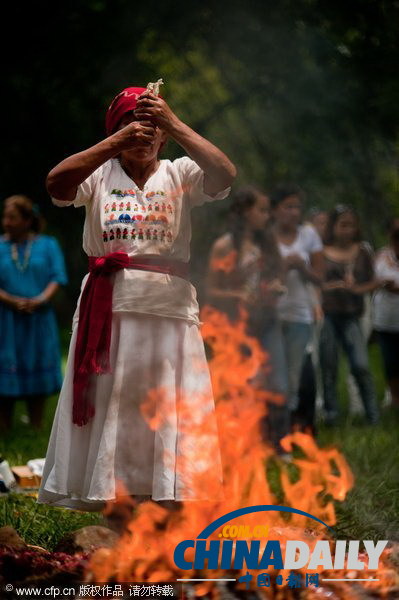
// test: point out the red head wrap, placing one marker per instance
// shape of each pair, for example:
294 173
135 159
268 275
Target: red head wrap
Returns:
121 104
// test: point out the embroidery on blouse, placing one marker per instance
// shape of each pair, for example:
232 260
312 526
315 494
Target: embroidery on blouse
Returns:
148 217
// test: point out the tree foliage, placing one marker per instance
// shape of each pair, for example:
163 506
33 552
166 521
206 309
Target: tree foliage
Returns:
303 91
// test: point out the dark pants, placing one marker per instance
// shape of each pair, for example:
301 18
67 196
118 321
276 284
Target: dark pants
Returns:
389 344
340 330
304 416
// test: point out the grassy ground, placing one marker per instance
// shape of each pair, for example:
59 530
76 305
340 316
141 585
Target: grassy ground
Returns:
371 510
36 523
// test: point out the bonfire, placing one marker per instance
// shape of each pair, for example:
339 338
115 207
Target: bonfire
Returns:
310 483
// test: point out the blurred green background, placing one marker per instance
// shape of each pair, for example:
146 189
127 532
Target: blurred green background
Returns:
294 90
303 90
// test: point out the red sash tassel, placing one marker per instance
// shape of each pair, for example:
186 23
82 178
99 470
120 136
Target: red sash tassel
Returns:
95 321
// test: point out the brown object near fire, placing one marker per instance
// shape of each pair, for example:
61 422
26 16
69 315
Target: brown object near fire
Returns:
25 477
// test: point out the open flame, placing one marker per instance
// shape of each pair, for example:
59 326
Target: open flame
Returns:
315 478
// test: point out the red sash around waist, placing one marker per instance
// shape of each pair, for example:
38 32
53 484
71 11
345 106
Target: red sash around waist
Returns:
95 320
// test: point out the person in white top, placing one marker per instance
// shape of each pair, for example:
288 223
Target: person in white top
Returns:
301 249
386 308
136 404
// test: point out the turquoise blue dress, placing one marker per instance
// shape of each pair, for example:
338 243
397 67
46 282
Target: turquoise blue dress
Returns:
29 344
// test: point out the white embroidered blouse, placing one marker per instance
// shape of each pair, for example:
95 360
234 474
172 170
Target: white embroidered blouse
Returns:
155 221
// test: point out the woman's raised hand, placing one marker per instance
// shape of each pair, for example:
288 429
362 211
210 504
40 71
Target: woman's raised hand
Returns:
155 109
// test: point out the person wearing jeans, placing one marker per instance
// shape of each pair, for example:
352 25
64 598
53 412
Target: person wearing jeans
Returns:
349 274
346 331
301 249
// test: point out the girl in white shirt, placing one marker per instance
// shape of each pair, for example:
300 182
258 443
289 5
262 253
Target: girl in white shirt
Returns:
301 249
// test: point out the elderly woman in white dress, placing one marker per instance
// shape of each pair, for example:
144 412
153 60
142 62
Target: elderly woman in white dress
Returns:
136 406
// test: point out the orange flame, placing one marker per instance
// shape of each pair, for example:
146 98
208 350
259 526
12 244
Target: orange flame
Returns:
224 263
315 478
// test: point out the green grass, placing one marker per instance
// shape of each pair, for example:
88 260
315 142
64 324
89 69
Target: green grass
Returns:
37 524
22 443
370 511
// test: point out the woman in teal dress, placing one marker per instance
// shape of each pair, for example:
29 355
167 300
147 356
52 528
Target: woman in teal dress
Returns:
31 271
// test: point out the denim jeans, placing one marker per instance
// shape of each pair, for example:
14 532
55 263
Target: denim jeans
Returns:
295 339
345 331
272 342
277 423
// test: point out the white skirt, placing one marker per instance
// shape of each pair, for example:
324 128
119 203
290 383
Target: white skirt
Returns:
172 453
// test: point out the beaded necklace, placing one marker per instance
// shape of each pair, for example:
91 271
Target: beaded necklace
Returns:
15 256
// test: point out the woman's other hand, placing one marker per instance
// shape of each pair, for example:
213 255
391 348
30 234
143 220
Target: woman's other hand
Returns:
33 304
26 305
337 284
270 291
275 287
294 261
135 134
17 303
